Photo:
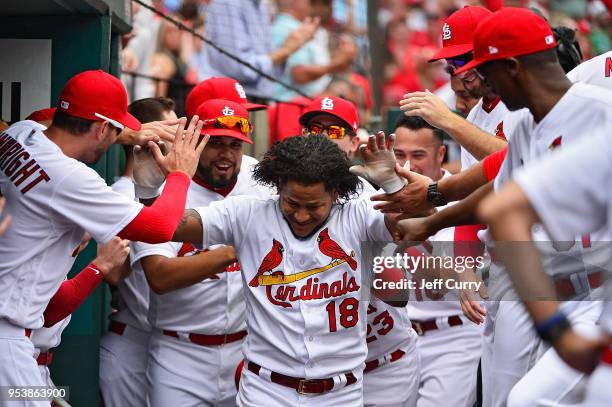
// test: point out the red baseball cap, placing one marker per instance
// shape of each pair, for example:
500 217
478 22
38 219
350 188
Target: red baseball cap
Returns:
97 95
218 109
510 32
458 32
42 115
218 88
342 109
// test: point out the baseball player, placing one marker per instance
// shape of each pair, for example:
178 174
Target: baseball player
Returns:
510 45
111 256
449 347
199 322
338 120
53 198
124 348
581 170
306 326
489 117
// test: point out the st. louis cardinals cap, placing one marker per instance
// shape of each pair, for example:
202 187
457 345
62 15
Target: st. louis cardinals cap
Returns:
510 32
42 115
458 32
97 95
342 109
224 117
218 88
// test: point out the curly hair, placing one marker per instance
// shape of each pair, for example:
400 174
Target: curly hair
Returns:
308 160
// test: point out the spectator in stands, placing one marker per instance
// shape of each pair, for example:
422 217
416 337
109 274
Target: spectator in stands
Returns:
304 70
170 64
242 28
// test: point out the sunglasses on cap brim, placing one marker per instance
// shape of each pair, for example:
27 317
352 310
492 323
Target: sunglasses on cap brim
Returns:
235 123
334 131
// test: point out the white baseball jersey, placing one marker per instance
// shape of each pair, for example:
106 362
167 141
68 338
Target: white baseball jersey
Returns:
44 339
596 71
493 118
582 109
213 306
583 170
132 296
431 304
53 200
388 329
305 316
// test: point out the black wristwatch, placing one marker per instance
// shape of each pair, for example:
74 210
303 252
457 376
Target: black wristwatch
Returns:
434 196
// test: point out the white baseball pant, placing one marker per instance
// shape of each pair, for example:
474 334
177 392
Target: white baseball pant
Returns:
256 391
181 373
510 349
123 366
599 390
18 366
393 384
449 365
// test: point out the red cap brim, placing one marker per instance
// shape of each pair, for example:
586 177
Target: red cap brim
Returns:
130 121
452 52
254 106
227 133
470 65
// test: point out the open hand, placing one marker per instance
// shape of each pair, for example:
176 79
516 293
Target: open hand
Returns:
379 163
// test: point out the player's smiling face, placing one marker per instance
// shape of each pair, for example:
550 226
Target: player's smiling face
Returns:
305 207
220 161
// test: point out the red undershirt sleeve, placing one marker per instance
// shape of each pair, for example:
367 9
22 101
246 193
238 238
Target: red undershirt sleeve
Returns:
71 294
492 163
157 223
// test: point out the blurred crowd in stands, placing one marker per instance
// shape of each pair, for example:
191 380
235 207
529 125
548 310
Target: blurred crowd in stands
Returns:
320 47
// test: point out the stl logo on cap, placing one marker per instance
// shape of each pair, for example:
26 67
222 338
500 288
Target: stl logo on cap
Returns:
240 90
446 32
327 104
227 111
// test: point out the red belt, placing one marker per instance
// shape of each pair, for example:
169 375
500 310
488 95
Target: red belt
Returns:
45 358
431 325
565 289
375 364
209 340
606 355
301 385
28 332
117 327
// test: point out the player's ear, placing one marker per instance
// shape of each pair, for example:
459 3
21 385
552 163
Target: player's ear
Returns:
98 128
512 66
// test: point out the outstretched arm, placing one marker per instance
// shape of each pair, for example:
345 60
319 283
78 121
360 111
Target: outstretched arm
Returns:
190 228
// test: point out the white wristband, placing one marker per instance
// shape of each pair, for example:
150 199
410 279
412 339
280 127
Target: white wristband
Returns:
393 185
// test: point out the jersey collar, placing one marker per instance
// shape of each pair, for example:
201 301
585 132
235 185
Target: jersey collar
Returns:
489 104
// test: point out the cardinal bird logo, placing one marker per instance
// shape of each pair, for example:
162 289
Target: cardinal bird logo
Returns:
555 144
332 249
270 261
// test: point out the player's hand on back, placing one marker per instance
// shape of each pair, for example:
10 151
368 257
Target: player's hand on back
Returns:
185 152
111 260
379 163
